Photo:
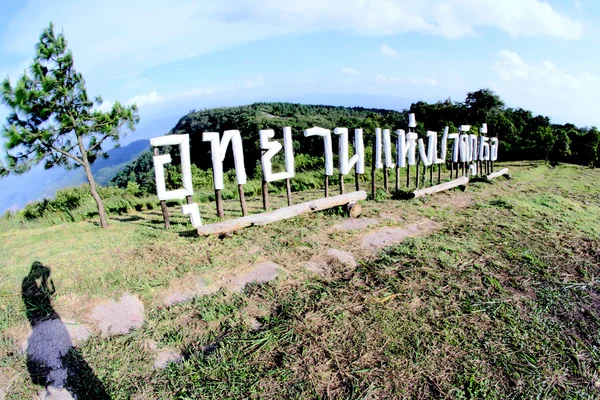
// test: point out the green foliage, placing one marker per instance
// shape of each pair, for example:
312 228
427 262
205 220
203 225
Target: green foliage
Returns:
522 136
76 204
52 118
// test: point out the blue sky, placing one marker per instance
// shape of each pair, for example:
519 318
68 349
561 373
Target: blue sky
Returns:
173 56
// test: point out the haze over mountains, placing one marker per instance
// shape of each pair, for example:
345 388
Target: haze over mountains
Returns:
18 190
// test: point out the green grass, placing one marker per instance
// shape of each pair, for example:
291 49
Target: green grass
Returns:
501 302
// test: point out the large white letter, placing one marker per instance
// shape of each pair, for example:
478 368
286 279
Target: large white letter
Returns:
484 148
383 146
494 148
183 141
406 147
273 148
473 154
358 158
428 157
455 146
326 133
442 157
218 149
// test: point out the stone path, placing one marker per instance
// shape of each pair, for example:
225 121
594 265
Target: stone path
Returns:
119 317
390 236
261 273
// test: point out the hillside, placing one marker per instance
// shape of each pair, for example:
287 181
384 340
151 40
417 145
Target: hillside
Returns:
490 293
41 183
522 134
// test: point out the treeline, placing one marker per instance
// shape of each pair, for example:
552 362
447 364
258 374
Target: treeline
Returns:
522 135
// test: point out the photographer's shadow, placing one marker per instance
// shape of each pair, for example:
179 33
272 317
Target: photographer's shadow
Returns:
52 360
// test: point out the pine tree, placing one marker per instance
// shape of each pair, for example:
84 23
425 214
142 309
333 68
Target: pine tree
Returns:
54 121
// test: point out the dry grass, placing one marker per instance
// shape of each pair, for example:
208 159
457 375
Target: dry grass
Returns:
501 302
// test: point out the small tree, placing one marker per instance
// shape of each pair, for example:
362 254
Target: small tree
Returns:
54 121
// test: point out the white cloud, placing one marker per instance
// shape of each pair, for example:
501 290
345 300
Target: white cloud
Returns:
350 71
388 51
549 89
115 38
146 99
154 97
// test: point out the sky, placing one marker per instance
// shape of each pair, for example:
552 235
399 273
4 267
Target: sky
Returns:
169 57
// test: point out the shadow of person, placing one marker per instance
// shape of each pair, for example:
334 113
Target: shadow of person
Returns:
52 361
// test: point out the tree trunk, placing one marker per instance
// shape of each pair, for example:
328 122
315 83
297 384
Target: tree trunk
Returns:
96 196
93 186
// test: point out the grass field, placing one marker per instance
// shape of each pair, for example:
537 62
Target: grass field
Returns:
501 301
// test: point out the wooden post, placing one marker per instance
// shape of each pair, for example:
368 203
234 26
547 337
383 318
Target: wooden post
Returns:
265 195
492 166
354 209
163 204
385 179
451 169
341 184
357 181
288 189
189 199
165 213
407 175
326 185
397 178
431 174
242 200
417 177
219 201
439 173
373 186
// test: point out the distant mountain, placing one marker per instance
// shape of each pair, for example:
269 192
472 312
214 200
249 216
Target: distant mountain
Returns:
16 191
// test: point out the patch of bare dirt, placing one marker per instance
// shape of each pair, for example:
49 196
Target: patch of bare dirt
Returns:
343 257
119 317
352 224
261 273
456 199
185 289
390 236
317 266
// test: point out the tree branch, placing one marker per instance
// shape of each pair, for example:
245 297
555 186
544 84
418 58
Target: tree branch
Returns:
98 143
64 153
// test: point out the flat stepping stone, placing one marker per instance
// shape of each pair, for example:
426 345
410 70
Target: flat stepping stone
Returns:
353 224
390 236
344 257
261 273
119 317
